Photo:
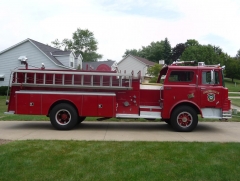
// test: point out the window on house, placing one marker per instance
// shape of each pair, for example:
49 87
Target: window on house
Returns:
2 77
71 61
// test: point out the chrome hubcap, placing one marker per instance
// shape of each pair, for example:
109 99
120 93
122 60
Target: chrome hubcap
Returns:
63 117
184 119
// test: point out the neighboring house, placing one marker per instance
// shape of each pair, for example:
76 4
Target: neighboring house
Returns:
108 65
36 54
133 63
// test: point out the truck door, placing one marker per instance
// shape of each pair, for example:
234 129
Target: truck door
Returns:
210 90
180 86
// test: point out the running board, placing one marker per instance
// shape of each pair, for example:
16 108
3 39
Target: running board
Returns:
145 115
9 112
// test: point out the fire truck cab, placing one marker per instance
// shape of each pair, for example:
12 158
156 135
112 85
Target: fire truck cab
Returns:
68 97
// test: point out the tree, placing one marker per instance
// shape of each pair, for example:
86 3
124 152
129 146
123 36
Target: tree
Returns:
238 54
153 52
82 42
167 51
57 44
154 72
233 68
177 51
217 49
132 52
191 42
203 53
160 50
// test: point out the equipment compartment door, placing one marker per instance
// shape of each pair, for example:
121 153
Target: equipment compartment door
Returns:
98 105
22 103
90 105
35 104
106 106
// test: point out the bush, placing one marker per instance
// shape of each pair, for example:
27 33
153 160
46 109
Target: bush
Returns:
3 90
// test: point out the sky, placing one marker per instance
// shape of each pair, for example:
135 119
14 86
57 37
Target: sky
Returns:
122 24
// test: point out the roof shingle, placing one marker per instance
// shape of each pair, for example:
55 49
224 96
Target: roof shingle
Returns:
145 61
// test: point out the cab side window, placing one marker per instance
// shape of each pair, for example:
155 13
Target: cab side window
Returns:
181 76
206 77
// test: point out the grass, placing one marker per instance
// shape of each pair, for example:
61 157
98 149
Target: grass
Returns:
237 94
231 85
91 160
236 102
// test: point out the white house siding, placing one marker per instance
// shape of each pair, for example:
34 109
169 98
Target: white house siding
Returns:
63 59
77 62
72 59
131 64
9 60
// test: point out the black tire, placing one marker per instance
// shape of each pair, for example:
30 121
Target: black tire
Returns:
184 119
63 116
167 121
81 119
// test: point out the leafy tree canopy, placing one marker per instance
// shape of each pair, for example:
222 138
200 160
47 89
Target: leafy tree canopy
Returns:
177 51
82 42
233 68
160 50
191 42
132 52
238 54
154 72
203 53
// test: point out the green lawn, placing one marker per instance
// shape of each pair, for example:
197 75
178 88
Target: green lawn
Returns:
236 94
91 160
231 85
236 102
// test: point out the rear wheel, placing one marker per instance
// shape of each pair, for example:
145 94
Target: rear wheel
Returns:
184 119
63 116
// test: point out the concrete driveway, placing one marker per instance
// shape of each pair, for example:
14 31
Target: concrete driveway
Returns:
120 131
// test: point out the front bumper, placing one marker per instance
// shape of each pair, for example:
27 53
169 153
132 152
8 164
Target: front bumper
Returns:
227 114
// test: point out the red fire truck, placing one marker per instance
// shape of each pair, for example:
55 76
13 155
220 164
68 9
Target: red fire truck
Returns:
68 97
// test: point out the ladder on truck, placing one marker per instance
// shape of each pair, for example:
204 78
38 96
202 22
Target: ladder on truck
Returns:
71 79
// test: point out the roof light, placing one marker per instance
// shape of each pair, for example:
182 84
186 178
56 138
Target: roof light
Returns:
201 63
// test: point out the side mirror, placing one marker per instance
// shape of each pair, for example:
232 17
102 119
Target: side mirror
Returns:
212 77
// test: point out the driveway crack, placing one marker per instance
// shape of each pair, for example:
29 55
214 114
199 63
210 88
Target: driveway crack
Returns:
106 131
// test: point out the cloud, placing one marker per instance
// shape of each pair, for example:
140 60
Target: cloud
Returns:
122 24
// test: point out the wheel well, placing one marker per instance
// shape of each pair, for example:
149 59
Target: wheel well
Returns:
187 104
59 102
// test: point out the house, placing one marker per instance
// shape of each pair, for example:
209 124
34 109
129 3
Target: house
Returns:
108 65
36 54
133 63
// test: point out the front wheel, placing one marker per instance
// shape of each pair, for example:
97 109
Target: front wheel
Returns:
184 119
63 116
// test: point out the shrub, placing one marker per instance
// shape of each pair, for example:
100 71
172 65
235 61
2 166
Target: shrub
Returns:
3 90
